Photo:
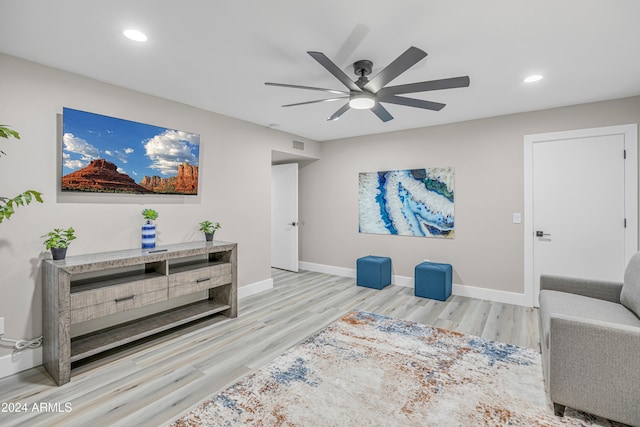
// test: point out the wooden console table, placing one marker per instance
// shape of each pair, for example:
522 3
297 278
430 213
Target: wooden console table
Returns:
86 287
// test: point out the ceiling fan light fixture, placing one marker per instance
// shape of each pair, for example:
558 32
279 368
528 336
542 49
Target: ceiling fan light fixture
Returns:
533 78
135 35
361 101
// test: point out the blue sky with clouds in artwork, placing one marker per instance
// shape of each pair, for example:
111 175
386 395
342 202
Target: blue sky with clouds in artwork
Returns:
137 149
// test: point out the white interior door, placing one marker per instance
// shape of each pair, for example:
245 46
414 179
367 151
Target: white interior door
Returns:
284 216
580 220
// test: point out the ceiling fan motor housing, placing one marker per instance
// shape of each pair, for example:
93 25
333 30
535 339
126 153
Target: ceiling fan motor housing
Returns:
362 67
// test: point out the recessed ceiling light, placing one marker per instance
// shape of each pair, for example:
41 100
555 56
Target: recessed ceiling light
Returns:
533 78
135 35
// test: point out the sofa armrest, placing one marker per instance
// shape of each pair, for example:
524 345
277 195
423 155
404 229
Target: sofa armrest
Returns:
600 289
593 366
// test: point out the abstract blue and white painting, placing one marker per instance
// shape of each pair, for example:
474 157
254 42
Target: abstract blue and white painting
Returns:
411 202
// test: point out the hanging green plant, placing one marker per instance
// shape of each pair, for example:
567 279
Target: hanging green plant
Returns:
7 204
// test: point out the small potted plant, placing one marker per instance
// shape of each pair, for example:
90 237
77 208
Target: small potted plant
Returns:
58 241
209 228
149 215
149 229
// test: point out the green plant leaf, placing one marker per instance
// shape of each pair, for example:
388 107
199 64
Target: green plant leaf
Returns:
5 132
7 205
36 195
8 210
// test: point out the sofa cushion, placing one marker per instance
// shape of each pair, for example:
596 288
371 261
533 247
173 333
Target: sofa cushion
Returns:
630 294
556 302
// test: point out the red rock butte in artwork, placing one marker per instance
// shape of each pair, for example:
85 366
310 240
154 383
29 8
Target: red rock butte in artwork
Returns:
103 176
186 182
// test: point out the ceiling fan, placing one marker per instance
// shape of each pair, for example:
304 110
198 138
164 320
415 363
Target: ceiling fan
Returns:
368 94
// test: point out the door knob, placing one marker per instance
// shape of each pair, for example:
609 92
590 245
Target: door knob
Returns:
293 223
541 234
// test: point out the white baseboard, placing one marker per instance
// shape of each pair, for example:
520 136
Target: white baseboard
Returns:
462 290
254 288
405 281
327 269
26 359
491 295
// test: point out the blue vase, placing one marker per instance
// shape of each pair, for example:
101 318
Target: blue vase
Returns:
148 235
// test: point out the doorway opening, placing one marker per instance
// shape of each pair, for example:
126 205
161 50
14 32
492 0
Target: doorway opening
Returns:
285 221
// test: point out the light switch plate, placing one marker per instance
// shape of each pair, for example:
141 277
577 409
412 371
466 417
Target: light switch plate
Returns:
517 218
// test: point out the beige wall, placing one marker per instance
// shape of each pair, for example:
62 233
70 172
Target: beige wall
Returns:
487 251
235 188
235 160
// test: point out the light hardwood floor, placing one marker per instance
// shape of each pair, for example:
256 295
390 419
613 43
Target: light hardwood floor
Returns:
154 382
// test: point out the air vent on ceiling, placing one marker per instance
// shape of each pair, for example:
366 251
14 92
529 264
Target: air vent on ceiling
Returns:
298 145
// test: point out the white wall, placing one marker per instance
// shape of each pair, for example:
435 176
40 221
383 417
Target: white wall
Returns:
488 249
235 168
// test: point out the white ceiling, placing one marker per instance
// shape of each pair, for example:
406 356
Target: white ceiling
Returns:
216 55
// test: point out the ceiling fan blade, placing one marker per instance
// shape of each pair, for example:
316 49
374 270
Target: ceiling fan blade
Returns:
339 92
411 102
449 83
381 112
408 59
340 112
316 101
335 70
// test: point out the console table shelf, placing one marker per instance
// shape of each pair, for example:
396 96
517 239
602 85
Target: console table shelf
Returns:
91 344
87 287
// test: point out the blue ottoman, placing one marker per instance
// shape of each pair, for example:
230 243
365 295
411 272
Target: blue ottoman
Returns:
433 280
373 272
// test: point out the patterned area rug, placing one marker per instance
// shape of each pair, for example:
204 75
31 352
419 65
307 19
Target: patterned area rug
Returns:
367 369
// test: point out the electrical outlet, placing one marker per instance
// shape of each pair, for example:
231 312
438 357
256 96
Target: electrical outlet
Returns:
1 325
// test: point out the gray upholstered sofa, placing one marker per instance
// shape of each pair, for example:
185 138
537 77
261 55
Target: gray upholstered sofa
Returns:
590 340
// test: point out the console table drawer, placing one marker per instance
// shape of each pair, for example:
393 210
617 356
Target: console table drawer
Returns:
103 301
189 282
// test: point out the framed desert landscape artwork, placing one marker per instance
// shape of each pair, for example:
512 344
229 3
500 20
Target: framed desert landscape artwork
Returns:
102 154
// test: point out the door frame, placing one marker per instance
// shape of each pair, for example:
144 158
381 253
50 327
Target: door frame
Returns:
630 134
